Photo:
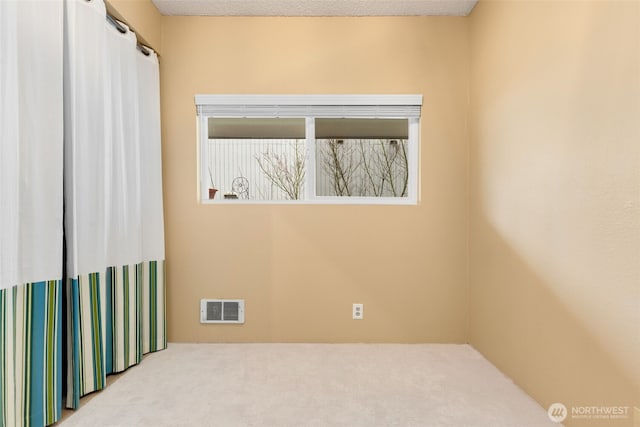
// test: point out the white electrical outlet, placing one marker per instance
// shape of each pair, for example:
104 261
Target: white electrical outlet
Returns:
358 311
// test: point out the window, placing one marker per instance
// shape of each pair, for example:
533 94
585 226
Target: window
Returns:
259 159
309 149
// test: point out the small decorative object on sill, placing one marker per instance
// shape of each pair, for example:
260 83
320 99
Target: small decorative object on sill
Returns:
230 195
240 186
212 188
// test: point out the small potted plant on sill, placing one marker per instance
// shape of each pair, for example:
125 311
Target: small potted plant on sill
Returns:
212 188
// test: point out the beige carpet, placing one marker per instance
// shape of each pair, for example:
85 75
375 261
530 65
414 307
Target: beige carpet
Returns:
312 385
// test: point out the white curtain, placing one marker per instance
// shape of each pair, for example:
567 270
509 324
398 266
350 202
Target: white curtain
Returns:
85 136
86 101
113 187
31 168
153 289
31 144
123 214
9 144
151 154
113 156
79 120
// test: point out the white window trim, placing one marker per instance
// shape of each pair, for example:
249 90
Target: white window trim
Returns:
311 107
309 100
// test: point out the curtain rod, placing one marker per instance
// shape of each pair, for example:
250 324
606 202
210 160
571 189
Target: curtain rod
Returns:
123 30
115 23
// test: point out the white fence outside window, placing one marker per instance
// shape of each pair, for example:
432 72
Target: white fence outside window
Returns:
351 167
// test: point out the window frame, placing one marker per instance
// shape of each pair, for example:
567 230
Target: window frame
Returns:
311 107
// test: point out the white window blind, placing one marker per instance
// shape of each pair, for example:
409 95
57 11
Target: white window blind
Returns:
371 106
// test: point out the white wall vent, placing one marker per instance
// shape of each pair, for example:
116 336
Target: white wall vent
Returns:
222 311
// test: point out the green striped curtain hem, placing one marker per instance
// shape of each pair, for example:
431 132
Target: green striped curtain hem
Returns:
85 332
113 318
30 358
124 330
154 307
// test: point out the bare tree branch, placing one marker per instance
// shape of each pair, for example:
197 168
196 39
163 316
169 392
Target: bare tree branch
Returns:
285 173
366 167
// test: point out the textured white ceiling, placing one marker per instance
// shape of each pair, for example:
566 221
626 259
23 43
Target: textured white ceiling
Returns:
315 7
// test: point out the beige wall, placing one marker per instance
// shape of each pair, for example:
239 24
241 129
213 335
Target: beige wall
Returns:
142 16
553 168
300 268
555 198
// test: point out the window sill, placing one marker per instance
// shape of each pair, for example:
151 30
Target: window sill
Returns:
368 201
